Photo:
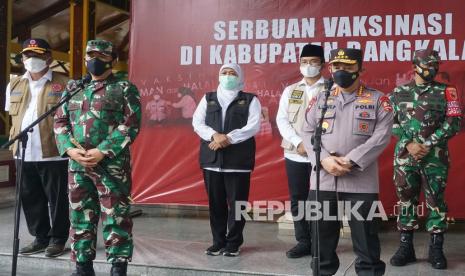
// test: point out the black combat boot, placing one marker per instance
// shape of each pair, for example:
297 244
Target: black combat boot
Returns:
435 255
84 269
119 269
406 252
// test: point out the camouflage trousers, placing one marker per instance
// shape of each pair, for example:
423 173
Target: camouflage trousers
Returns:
431 177
93 196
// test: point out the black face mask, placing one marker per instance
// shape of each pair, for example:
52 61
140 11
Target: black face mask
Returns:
97 67
344 79
428 74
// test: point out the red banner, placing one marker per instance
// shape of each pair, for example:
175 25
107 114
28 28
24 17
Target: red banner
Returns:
178 46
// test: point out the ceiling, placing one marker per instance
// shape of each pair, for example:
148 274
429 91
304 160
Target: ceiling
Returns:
50 19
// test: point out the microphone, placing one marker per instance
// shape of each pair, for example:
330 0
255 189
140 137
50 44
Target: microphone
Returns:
329 84
80 83
87 78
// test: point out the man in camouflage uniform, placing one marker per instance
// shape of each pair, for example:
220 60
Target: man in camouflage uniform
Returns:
426 115
95 129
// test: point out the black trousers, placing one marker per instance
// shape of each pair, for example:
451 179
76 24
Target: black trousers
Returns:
224 190
364 235
298 179
46 184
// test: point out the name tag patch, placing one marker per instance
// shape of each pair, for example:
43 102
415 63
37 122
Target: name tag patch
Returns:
297 94
365 106
294 101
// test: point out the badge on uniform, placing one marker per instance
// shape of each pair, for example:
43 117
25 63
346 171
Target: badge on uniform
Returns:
211 103
366 95
451 94
386 103
325 125
453 105
364 106
365 101
294 101
241 102
297 94
57 87
363 127
364 115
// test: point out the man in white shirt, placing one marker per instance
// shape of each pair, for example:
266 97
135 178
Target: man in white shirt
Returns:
227 121
289 119
45 174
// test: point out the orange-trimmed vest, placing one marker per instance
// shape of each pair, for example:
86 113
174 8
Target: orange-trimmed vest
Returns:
20 96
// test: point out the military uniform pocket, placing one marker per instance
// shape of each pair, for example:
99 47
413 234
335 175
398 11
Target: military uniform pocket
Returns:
434 114
106 110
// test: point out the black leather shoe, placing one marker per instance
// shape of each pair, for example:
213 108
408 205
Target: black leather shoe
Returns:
299 251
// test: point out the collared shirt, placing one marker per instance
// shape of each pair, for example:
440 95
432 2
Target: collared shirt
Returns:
34 145
282 118
235 136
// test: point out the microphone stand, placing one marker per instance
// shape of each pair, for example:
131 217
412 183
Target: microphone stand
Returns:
317 149
23 137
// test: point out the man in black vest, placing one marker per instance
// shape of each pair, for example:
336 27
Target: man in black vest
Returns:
226 121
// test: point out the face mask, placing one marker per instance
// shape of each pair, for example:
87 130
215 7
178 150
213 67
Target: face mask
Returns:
344 79
427 74
228 82
35 65
97 67
310 71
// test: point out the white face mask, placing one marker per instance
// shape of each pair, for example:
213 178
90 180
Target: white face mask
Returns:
35 65
310 71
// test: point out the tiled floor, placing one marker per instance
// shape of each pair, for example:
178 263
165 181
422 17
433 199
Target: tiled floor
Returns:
177 244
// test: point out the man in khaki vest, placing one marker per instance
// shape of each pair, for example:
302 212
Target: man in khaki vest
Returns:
290 118
45 173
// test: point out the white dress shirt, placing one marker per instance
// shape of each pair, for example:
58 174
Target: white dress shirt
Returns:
34 146
282 118
235 136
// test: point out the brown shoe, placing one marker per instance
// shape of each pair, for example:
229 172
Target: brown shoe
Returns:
54 250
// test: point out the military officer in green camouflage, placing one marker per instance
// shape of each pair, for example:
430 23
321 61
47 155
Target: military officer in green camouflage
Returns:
95 129
426 115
